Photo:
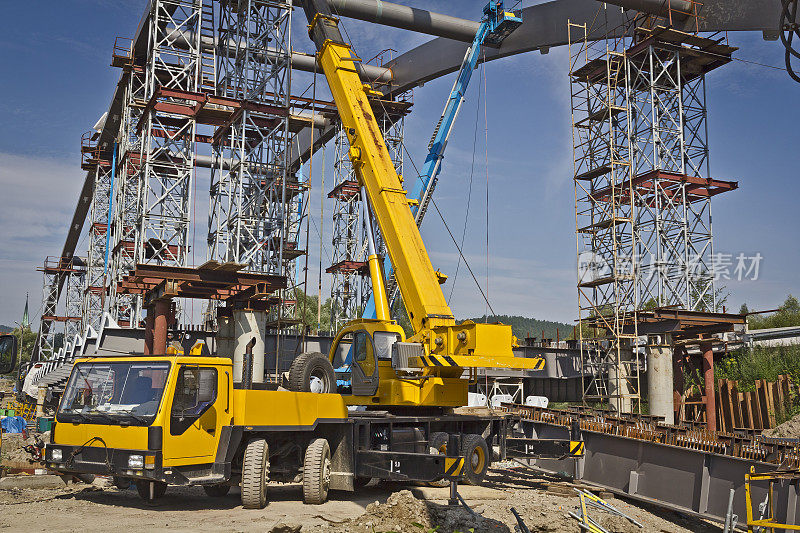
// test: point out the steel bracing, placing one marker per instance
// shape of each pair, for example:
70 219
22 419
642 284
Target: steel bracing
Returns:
642 189
350 284
67 272
256 204
607 275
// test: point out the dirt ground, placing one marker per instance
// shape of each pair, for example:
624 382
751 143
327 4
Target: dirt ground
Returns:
788 430
542 503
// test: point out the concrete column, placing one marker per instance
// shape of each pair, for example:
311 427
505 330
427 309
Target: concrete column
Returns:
246 325
40 399
708 377
660 377
619 378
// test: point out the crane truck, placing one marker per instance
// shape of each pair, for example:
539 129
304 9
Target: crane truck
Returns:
180 419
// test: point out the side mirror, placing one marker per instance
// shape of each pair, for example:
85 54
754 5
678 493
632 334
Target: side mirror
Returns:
8 353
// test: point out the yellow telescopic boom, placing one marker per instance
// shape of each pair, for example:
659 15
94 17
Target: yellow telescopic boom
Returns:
464 345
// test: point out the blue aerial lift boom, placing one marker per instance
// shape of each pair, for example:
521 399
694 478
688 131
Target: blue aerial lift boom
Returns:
496 25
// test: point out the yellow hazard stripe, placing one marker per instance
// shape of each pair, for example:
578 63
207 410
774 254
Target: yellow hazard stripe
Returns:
438 360
576 447
453 466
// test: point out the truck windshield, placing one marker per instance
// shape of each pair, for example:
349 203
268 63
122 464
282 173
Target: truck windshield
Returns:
113 393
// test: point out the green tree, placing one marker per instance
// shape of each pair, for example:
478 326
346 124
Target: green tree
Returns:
307 312
787 315
26 346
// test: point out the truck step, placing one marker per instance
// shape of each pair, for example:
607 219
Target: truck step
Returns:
207 480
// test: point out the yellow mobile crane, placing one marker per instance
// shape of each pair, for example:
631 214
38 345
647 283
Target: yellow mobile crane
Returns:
180 419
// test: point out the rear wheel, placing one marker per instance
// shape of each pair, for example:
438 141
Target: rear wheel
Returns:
438 444
217 491
476 458
143 488
312 372
317 472
255 473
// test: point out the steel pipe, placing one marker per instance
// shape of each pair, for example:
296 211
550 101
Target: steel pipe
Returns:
677 8
407 18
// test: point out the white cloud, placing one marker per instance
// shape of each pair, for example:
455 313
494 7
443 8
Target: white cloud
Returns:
39 197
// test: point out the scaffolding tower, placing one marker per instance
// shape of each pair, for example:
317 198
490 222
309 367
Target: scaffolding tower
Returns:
350 283
93 298
125 309
256 205
60 272
642 190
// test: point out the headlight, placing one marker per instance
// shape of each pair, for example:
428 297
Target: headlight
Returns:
55 454
135 461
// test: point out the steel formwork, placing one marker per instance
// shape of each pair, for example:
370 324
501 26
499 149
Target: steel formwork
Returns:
255 210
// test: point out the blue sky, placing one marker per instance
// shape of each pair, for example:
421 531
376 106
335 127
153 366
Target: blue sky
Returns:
57 82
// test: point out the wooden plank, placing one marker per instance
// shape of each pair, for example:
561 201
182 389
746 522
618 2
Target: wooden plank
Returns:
747 414
763 406
725 415
755 411
736 404
777 400
768 397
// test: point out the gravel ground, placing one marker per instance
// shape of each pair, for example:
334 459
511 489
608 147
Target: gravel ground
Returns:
374 509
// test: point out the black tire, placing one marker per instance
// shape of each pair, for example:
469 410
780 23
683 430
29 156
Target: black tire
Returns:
317 472
438 442
143 488
217 491
308 366
255 473
476 458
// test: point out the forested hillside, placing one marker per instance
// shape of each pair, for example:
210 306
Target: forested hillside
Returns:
531 327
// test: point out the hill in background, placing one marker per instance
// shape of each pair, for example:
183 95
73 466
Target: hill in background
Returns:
530 327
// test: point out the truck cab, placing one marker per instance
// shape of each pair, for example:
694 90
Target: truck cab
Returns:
144 418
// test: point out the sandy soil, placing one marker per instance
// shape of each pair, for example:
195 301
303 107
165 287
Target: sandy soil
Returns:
101 508
788 430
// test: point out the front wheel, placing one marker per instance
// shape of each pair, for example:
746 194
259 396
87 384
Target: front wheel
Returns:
255 473
150 491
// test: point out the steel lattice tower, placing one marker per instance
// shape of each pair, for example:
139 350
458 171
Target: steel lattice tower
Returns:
254 214
96 271
350 283
67 272
642 190
168 139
